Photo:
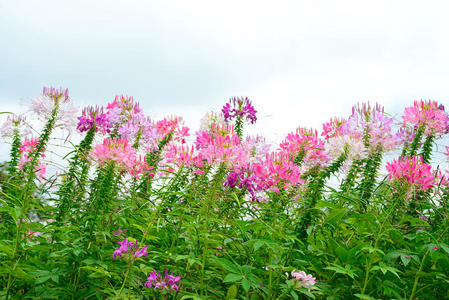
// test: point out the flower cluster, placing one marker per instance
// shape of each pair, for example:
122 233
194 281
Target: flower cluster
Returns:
304 145
15 124
241 107
44 107
93 116
372 124
428 114
27 148
167 282
55 94
121 153
131 249
333 128
302 279
412 170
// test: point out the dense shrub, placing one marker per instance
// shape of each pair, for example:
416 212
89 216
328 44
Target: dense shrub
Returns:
144 210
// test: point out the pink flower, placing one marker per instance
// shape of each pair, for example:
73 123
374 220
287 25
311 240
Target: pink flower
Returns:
132 250
44 105
412 170
27 148
302 279
428 114
121 153
158 282
239 107
13 124
93 116
119 231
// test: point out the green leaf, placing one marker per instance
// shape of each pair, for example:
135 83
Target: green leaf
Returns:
346 270
232 292
258 244
232 277
363 296
228 265
246 284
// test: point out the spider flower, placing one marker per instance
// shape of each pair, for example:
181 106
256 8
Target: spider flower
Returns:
412 170
130 250
374 122
93 116
302 279
27 147
120 152
166 282
15 124
44 107
428 114
239 107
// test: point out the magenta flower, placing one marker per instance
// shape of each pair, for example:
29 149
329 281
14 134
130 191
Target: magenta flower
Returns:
119 231
27 147
158 282
55 94
371 120
130 250
428 114
239 107
121 154
306 142
412 170
93 115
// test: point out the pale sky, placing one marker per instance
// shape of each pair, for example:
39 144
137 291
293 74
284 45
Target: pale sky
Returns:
301 62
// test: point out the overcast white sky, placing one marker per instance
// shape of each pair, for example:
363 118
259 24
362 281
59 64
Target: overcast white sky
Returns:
301 62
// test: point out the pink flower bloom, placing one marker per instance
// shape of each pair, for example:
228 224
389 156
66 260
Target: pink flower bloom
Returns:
131 249
239 107
44 105
119 231
428 114
412 170
13 124
306 143
371 120
333 128
27 148
302 279
119 152
158 282
93 115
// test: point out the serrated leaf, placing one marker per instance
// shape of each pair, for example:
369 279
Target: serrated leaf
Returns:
228 265
232 277
246 284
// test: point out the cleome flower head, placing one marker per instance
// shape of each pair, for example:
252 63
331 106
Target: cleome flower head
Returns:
428 114
239 107
164 283
302 279
27 147
130 250
121 153
44 106
412 170
15 124
93 116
